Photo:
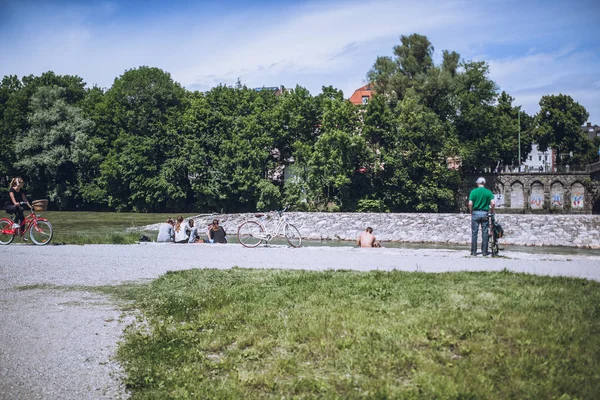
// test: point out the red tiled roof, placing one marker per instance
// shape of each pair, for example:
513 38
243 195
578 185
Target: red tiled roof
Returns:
361 92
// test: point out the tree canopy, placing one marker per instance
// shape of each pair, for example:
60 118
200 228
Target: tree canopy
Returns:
147 144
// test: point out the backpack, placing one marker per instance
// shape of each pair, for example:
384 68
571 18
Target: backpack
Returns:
145 238
498 231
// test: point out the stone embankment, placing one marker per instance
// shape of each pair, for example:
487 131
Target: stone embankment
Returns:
519 229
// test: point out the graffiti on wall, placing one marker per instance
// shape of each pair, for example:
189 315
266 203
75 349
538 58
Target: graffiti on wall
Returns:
557 200
536 199
536 202
557 195
499 199
577 193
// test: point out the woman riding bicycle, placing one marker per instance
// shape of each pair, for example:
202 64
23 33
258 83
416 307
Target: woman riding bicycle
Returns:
17 198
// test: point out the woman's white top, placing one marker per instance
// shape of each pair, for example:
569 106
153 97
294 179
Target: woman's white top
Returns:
182 235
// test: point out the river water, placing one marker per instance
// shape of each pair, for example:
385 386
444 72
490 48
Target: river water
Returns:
562 250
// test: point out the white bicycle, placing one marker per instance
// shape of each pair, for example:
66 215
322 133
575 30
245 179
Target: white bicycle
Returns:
251 233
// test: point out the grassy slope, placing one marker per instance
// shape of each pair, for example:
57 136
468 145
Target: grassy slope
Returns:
268 334
100 227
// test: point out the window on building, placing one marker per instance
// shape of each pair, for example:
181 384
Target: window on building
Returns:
365 99
530 158
539 158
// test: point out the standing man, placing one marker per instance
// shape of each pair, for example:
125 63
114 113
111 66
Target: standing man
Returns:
481 200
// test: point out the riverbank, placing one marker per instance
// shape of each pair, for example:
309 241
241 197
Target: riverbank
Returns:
519 229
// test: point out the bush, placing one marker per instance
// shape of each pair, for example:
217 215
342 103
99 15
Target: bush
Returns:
269 197
371 205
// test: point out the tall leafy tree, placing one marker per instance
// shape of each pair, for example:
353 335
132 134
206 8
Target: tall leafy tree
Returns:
9 105
416 177
510 123
413 58
334 163
15 107
559 126
48 152
237 140
476 96
142 109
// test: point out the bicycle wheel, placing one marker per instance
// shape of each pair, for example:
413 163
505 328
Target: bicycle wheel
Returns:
495 248
292 234
42 233
250 234
5 226
492 245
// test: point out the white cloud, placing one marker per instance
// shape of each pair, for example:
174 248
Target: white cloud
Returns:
315 44
565 71
313 40
304 40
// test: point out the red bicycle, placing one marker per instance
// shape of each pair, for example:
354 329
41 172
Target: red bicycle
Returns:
40 230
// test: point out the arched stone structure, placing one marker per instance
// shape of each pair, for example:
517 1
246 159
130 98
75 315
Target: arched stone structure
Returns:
498 190
517 196
569 193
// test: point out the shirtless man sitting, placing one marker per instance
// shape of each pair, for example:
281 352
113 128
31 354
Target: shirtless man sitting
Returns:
366 238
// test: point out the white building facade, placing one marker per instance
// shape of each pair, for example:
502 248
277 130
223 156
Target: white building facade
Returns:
538 161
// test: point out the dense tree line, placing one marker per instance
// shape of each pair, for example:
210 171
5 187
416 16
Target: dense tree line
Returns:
147 144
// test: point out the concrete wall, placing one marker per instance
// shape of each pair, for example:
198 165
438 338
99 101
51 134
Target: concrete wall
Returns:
519 229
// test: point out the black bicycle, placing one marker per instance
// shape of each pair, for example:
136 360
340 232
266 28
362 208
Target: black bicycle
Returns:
495 233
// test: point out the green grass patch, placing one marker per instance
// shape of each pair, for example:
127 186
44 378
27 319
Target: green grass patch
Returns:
82 227
298 334
38 286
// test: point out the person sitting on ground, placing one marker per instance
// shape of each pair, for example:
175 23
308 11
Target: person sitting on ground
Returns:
366 238
216 233
166 232
183 232
17 199
192 231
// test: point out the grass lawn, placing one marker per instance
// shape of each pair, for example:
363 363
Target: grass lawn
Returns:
247 334
82 227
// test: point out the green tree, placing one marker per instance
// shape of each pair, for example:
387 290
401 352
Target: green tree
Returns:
237 140
48 152
334 163
326 173
508 124
475 122
559 127
9 90
141 135
415 176
15 108
413 60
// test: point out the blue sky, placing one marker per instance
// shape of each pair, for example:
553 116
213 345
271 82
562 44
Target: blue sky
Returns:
533 48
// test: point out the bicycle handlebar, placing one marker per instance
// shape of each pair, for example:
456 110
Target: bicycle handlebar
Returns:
280 212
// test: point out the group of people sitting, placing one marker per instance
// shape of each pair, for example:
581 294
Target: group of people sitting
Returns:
181 231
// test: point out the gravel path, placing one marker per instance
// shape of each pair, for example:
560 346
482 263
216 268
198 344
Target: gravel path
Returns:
58 344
